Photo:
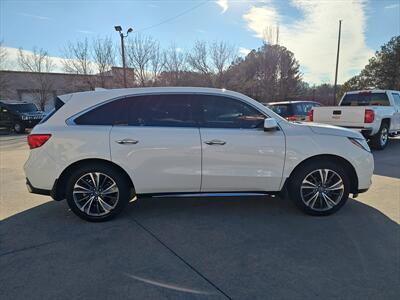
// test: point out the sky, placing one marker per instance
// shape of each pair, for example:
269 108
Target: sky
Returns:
308 28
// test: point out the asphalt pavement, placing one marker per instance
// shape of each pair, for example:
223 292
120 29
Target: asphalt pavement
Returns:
200 248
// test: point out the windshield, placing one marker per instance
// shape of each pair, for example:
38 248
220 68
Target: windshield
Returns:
366 99
28 107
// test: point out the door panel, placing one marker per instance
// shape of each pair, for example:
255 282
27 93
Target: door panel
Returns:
396 117
164 159
250 160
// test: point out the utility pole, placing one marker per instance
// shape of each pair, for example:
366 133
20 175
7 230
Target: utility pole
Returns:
337 64
119 29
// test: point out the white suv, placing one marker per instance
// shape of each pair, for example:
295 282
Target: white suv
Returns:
101 149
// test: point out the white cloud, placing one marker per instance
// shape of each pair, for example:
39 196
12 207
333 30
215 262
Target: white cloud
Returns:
313 38
85 31
223 4
12 60
260 18
392 6
244 51
38 17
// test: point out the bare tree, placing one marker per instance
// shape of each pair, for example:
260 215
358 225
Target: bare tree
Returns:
198 58
157 62
222 55
271 35
78 61
175 64
140 51
103 57
39 64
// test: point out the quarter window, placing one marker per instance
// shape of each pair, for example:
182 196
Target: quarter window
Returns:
112 113
223 112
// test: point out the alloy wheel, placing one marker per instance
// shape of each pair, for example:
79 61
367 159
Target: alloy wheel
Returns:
96 194
384 136
322 189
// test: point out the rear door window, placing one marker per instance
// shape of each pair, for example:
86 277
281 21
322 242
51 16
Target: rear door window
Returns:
366 99
166 110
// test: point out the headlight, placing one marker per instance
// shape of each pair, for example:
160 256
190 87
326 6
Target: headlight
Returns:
24 118
360 143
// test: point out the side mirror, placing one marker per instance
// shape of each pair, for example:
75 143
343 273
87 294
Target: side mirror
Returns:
270 124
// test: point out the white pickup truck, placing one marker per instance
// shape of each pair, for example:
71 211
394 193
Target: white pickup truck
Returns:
375 113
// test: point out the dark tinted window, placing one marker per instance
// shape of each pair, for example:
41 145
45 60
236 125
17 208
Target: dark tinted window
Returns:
23 108
366 99
169 110
284 110
111 113
303 108
222 112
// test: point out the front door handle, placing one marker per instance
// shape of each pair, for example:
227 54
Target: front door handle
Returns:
215 142
127 142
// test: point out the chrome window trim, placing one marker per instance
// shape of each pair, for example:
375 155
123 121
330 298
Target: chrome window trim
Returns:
71 120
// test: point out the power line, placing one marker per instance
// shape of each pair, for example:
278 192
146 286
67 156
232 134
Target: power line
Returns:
174 17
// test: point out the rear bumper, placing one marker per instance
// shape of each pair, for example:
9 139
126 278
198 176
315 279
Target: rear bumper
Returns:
52 193
34 190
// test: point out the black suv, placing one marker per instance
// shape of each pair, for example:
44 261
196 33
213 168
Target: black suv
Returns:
18 115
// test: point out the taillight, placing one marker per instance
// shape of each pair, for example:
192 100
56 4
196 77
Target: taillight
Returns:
291 118
37 140
369 116
311 115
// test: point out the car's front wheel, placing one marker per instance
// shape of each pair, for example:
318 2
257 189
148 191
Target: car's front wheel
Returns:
319 188
19 128
97 193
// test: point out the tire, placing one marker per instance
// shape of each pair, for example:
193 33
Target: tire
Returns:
380 140
91 204
302 193
19 128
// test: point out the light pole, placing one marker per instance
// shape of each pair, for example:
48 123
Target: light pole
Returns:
121 34
337 63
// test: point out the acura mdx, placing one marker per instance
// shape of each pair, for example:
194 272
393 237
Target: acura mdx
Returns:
101 149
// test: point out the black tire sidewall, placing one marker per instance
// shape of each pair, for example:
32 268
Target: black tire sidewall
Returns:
376 139
298 176
120 180
21 128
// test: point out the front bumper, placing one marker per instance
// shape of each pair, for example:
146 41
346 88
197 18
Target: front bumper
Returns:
30 123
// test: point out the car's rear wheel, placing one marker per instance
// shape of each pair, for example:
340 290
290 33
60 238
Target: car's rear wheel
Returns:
319 188
97 193
380 140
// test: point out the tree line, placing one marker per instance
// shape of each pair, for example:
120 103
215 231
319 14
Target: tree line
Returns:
269 73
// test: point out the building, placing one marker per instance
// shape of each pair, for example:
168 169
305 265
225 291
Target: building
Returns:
41 88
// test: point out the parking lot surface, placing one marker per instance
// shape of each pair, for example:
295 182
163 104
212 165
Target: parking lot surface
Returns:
200 248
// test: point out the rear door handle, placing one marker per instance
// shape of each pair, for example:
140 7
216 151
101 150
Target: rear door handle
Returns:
215 142
127 142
